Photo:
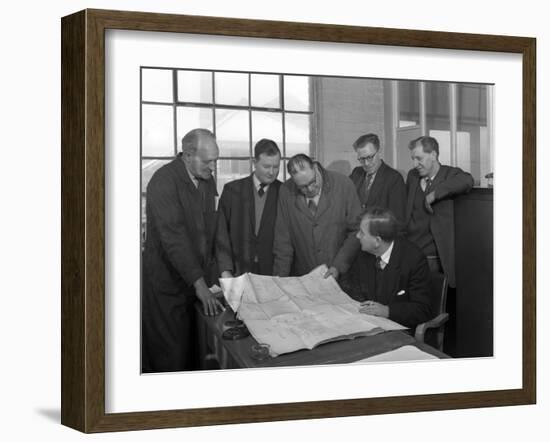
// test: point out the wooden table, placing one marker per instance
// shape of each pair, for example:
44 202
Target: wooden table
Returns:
216 351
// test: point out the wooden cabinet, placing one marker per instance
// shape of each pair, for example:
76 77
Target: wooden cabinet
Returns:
474 274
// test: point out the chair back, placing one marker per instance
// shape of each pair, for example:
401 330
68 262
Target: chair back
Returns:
432 332
438 293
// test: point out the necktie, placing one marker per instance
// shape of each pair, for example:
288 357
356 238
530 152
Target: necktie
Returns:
364 192
368 180
378 263
312 207
427 184
261 190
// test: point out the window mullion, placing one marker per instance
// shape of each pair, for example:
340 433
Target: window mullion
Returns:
453 122
250 121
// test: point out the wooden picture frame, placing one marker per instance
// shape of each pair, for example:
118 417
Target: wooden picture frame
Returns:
83 219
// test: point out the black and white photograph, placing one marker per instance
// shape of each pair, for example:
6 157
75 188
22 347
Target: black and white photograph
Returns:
299 220
270 221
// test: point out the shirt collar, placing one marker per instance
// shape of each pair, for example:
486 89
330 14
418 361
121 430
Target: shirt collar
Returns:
193 178
257 183
385 257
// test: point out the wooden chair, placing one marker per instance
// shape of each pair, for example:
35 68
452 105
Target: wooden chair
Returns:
432 331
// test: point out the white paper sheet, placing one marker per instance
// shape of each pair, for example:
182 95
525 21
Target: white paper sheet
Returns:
298 312
405 353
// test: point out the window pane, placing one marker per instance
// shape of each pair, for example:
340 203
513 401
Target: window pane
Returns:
189 118
231 89
267 125
409 104
229 170
232 132
438 121
473 147
195 87
265 91
297 93
148 168
297 127
157 130
156 85
282 171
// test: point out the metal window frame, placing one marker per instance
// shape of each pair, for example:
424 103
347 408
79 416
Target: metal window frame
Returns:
213 105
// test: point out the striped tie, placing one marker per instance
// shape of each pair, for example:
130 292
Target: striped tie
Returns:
312 207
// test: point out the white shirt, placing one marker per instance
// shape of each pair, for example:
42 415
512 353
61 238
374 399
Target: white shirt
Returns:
257 183
385 257
424 181
315 199
194 179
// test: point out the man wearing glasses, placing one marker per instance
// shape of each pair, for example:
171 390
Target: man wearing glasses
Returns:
317 219
377 183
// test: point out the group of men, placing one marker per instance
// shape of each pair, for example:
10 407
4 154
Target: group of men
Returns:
378 235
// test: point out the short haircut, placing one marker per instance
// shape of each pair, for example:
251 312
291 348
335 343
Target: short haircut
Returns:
266 147
363 140
190 142
381 222
429 144
298 162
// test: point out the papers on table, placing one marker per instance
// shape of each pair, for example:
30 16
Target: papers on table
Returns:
298 312
405 353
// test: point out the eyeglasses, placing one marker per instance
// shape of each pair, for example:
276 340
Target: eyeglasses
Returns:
367 159
308 185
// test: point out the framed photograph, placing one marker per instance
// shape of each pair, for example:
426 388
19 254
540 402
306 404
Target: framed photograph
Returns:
135 87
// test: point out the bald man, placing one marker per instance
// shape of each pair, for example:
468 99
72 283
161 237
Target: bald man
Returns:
178 252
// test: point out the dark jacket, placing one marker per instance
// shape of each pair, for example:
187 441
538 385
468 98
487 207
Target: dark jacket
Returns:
406 273
387 190
180 228
236 242
178 251
448 183
304 241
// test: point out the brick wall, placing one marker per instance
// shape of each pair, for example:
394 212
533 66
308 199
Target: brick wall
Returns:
346 109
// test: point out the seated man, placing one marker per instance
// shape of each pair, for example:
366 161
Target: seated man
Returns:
390 275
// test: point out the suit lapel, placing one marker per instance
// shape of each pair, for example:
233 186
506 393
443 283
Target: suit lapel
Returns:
439 177
248 205
300 204
376 186
414 186
324 198
370 275
270 205
390 278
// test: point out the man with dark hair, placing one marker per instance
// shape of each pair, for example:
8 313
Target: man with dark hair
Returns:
177 256
377 183
391 275
431 188
316 220
247 212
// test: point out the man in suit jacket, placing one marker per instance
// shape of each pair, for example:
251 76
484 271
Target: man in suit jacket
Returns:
180 211
377 183
247 212
431 188
390 274
317 219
